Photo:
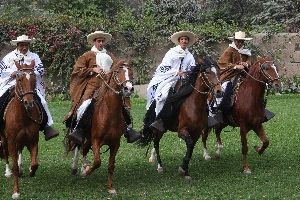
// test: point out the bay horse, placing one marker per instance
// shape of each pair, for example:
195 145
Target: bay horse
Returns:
191 119
22 120
248 109
107 120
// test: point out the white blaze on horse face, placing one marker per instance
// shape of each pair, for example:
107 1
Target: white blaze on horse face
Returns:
214 70
128 84
274 67
27 75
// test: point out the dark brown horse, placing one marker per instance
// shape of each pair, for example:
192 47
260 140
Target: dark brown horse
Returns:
191 119
248 110
21 124
108 123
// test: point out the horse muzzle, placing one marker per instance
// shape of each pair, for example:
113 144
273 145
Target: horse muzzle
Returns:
128 91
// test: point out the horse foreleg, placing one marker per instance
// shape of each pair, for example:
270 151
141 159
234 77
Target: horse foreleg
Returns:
243 134
183 169
206 155
15 169
156 147
20 164
111 166
97 160
74 165
219 141
261 134
5 154
34 163
85 163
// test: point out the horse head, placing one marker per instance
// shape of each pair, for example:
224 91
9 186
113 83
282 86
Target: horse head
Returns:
269 72
25 83
123 76
212 74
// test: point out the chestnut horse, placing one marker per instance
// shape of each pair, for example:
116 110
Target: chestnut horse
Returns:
248 110
22 120
191 118
107 121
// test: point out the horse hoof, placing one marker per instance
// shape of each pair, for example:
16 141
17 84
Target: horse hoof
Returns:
207 158
73 171
20 173
181 171
247 171
187 177
218 156
8 175
160 170
151 160
15 195
112 191
257 148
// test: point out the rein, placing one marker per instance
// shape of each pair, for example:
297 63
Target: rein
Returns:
210 85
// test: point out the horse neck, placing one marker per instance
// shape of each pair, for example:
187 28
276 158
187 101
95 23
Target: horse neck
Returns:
252 85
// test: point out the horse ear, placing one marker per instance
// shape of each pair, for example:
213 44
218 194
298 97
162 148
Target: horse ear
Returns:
258 57
200 61
18 65
127 62
32 64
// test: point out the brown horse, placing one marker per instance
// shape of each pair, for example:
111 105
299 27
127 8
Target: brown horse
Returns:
191 119
107 121
21 124
248 110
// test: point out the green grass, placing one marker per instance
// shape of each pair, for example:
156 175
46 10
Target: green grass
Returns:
275 173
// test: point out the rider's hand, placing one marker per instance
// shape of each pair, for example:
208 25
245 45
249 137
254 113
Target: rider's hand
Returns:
181 73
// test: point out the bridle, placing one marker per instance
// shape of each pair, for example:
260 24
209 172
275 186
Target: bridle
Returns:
208 82
262 71
119 83
19 91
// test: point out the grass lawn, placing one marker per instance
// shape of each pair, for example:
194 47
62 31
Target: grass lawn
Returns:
275 173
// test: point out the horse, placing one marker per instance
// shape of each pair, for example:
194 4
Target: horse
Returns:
22 120
191 118
248 109
107 120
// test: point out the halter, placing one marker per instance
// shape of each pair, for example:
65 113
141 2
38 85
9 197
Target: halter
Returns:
21 94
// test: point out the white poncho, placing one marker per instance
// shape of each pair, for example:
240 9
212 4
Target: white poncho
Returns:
165 76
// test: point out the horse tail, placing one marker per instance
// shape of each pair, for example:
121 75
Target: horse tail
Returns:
146 132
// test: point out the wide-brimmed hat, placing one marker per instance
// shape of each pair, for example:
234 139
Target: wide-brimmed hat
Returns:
97 34
22 38
177 35
239 36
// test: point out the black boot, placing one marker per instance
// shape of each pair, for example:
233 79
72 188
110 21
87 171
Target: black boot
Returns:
76 136
50 133
132 135
158 125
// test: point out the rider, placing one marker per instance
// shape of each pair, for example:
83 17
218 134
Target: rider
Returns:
174 66
8 71
84 82
235 60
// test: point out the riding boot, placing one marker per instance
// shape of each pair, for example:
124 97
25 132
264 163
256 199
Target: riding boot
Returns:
268 115
158 125
76 136
131 135
50 133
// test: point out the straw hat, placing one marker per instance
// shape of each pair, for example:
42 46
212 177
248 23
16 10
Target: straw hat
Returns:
97 34
22 38
177 35
239 36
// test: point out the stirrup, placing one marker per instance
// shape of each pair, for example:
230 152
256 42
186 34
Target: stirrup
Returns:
158 125
268 115
50 133
76 136
132 135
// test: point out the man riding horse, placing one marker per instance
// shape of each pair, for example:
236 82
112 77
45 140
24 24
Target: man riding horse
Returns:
233 63
85 83
8 71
